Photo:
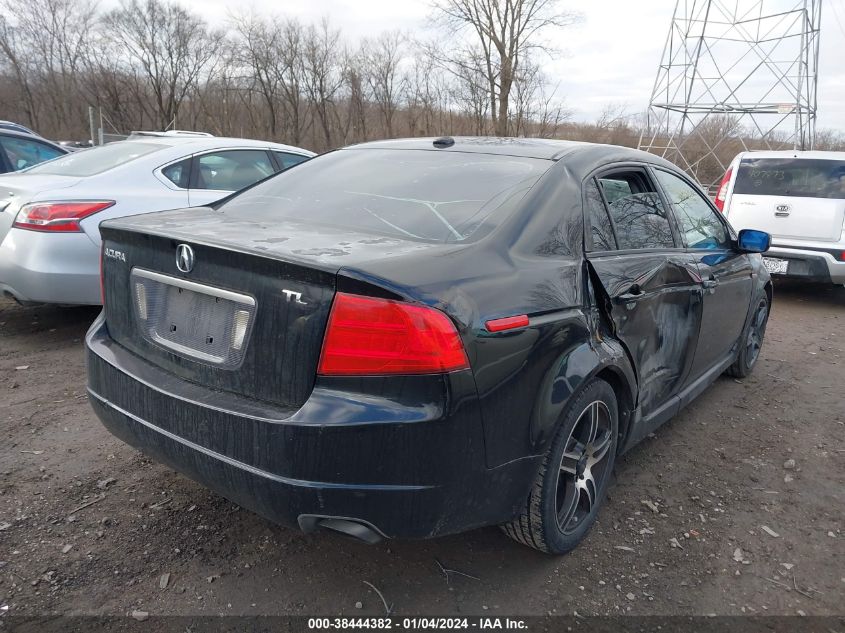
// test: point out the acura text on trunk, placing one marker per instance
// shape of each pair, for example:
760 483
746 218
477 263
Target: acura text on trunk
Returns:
415 338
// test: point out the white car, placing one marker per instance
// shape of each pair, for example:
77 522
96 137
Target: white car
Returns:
798 197
50 213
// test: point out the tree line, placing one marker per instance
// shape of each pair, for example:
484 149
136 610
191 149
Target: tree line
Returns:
154 64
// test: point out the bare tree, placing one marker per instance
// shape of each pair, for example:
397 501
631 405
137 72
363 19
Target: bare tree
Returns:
381 58
16 64
323 77
274 77
536 110
270 50
425 90
257 41
170 45
505 34
356 127
44 43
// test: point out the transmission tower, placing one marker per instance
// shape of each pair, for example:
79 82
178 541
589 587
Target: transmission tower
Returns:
735 75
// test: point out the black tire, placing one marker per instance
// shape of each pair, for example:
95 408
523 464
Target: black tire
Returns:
751 341
560 482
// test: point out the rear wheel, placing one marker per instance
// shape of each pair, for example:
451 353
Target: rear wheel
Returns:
751 342
572 482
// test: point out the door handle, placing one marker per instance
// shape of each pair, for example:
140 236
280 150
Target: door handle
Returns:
710 283
634 293
630 296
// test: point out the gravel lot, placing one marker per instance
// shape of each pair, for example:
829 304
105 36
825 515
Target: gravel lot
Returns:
90 526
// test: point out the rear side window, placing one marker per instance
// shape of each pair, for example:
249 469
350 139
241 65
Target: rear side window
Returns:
232 170
287 160
639 218
793 177
601 229
430 196
90 162
23 153
178 173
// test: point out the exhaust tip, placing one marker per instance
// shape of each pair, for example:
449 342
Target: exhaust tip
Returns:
353 528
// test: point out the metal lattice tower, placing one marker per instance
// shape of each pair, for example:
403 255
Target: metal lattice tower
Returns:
735 75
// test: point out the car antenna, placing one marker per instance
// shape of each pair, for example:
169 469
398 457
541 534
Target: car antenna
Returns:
444 142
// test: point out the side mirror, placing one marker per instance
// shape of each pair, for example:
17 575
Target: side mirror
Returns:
752 241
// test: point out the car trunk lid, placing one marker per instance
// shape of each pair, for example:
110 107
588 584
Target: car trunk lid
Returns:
791 198
237 306
789 217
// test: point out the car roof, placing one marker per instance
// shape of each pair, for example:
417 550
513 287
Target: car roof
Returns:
11 125
200 143
794 153
550 149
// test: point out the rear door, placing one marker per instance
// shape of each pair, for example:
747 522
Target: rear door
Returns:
651 287
725 272
217 174
791 197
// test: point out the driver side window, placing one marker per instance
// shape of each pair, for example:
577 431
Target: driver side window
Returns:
700 226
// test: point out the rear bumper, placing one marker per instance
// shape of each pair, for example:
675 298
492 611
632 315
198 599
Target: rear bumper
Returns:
50 268
404 471
810 265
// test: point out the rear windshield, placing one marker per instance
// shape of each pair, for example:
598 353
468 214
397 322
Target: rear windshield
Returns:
430 196
797 177
90 162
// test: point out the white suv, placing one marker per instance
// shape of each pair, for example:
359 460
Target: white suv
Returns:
798 197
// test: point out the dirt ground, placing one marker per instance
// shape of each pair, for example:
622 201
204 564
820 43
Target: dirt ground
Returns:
90 526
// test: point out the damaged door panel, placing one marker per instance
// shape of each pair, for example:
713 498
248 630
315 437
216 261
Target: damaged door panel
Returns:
655 308
725 272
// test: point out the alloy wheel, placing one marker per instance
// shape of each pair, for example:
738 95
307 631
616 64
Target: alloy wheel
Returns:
756 333
583 467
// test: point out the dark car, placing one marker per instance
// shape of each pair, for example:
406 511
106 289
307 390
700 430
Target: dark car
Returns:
415 338
19 150
16 127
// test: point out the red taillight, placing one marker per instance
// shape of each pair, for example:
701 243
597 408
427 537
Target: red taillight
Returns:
368 336
722 194
58 217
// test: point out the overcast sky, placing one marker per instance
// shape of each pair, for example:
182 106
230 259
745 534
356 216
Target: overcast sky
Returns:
611 57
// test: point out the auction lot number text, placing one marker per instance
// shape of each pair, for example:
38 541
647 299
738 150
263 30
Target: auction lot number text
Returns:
418 624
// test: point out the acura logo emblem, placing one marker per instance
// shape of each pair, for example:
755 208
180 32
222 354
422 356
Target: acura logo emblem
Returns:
185 258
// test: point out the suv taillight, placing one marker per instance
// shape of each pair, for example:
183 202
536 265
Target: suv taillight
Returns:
58 217
722 194
366 336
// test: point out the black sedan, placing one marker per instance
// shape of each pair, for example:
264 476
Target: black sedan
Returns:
418 337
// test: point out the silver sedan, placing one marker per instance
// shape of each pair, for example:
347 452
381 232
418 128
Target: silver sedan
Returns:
50 214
